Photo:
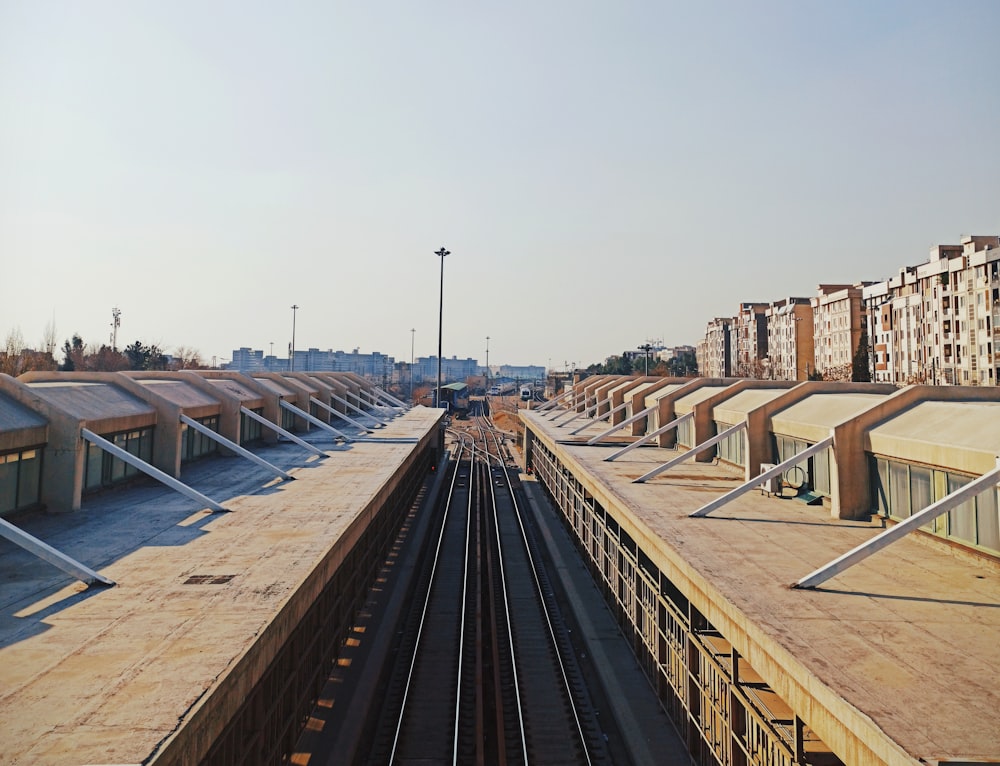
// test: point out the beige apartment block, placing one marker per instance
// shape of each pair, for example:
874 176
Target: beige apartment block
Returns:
715 350
789 339
750 341
936 322
838 321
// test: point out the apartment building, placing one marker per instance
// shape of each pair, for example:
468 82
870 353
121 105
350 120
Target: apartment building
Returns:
936 322
838 324
714 352
750 347
789 339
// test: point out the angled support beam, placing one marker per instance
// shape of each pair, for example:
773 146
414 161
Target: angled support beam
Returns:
341 415
756 481
889 536
586 413
241 451
314 420
621 406
571 406
146 468
47 553
692 452
650 436
357 410
623 424
553 402
392 400
279 430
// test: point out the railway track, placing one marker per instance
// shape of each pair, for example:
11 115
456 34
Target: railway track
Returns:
485 671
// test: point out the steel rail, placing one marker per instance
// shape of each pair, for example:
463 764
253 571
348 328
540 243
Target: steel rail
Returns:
424 609
545 611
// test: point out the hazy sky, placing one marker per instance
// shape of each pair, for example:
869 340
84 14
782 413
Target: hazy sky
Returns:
603 173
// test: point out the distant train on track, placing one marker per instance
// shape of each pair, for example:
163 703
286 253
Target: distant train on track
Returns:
502 389
526 393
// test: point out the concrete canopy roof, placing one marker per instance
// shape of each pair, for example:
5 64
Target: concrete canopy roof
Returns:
19 426
964 436
86 401
654 397
735 409
686 403
180 393
276 388
640 388
233 388
814 417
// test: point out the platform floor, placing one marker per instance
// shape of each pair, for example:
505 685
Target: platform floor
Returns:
905 646
105 675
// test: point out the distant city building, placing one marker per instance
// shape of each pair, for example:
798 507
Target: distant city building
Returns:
375 366
789 339
838 324
714 353
521 372
750 331
936 322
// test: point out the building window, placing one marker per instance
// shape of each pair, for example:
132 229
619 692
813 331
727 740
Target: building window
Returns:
102 469
20 479
250 429
900 489
195 444
730 449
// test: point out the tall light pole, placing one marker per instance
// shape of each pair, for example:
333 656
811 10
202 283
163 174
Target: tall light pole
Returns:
487 361
437 392
413 335
291 356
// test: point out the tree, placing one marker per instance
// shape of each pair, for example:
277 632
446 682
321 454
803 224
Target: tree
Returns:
73 354
142 357
185 358
860 370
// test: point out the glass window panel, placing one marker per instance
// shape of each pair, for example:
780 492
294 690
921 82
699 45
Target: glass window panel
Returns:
821 466
8 486
95 466
30 481
921 491
881 487
988 519
961 519
899 490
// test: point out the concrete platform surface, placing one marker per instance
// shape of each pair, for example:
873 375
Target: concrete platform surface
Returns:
904 648
105 675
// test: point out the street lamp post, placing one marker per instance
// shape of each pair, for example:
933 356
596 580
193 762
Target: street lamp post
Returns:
437 392
487 362
291 356
413 335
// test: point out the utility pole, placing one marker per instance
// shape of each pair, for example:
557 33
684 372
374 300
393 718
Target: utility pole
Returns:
437 392
291 354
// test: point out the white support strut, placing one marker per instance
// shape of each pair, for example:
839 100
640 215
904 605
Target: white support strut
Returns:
314 420
279 430
650 436
621 406
239 450
623 424
47 553
149 470
691 452
893 533
340 415
756 481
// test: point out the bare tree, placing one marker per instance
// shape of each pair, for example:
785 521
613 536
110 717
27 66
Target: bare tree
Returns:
50 340
186 358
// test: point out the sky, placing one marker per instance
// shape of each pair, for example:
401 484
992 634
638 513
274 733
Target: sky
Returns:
604 174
